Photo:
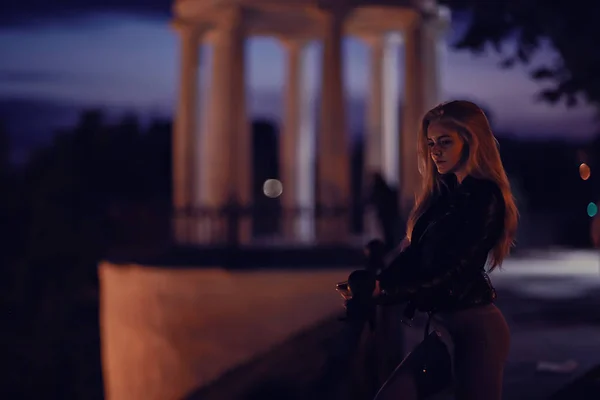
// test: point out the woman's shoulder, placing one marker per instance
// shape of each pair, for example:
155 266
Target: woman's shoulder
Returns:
481 185
482 190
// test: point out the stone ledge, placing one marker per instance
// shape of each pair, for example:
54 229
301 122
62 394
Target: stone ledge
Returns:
168 331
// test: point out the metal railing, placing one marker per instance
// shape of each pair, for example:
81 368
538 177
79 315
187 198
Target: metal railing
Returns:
232 225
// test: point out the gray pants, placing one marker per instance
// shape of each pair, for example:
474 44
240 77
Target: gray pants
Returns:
479 341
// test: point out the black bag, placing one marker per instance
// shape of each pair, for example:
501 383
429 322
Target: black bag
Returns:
429 363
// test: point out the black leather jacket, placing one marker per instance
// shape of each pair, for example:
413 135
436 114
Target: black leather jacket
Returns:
443 269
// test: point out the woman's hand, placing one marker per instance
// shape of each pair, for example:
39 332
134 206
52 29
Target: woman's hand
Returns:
377 290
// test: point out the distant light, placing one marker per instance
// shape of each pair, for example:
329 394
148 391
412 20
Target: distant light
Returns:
272 188
584 171
592 209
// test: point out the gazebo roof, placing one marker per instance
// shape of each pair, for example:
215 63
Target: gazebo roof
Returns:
301 18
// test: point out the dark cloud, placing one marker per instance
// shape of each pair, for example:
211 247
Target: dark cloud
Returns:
28 12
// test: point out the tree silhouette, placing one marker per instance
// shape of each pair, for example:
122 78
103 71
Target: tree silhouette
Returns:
87 173
59 222
4 150
9 217
569 26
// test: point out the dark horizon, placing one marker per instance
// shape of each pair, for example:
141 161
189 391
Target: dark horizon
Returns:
31 123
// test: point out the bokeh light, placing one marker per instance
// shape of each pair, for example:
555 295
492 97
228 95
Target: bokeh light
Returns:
584 171
272 188
592 209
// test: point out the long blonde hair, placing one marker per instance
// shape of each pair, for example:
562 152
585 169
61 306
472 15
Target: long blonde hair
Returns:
481 160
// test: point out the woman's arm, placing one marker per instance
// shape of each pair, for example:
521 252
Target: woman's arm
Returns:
395 252
400 267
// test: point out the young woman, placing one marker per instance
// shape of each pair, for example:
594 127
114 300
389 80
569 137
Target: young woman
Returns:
461 227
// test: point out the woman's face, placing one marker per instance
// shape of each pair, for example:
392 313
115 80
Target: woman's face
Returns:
445 148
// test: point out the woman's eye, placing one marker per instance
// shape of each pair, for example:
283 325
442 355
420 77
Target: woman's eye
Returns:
446 143
430 144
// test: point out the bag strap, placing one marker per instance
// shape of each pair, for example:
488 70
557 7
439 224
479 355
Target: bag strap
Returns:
427 325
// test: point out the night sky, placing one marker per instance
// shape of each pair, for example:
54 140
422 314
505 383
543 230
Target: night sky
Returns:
126 58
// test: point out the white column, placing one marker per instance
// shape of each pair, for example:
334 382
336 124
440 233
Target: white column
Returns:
243 135
307 152
333 186
226 166
413 110
296 154
431 56
200 223
436 50
391 108
184 130
288 142
382 138
374 132
422 92
383 107
373 140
